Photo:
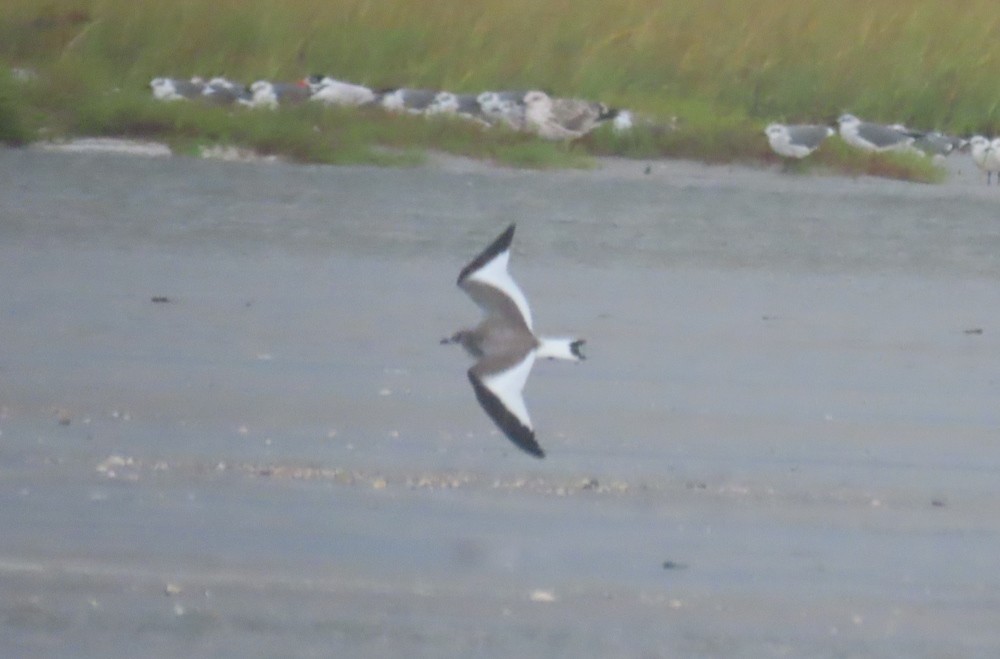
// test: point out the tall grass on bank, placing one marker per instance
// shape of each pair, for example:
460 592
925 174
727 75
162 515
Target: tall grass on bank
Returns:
14 128
718 65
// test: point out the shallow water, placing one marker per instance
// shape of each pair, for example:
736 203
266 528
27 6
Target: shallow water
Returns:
790 395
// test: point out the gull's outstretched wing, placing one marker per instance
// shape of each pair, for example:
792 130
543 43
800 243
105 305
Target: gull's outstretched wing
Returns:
490 285
498 382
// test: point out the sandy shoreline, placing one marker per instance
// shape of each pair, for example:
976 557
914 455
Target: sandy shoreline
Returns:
959 167
789 402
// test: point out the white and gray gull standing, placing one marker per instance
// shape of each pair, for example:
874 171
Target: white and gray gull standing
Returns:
873 137
796 141
982 154
504 343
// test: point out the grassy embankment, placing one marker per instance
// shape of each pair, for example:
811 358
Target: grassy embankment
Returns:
724 68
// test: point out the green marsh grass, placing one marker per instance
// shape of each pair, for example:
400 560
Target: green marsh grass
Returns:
14 129
724 68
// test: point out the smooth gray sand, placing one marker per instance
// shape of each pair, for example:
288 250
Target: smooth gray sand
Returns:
784 441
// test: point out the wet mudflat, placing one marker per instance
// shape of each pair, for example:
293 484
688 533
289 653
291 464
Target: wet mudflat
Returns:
227 427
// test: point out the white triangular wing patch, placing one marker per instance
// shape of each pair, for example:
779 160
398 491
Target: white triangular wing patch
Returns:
495 274
508 386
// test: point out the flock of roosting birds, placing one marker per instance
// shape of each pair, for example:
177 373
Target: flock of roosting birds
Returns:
798 141
530 111
559 119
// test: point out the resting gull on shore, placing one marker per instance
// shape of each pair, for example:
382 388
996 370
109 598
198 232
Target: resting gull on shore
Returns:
174 89
871 136
562 118
623 122
938 145
223 91
266 94
337 92
796 140
503 107
504 343
465 106
414 101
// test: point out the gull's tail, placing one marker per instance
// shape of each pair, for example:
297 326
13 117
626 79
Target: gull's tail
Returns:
560 348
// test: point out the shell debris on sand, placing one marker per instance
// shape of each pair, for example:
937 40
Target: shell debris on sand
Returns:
63 416
542 596
118 466
114 465
438 482
234 154
108 145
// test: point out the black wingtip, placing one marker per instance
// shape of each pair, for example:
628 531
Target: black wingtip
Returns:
498 246
576 348
608 113
522 436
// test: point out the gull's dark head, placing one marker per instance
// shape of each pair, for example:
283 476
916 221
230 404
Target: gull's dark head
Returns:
605 113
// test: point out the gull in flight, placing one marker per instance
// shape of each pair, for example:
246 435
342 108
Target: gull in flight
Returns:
504 343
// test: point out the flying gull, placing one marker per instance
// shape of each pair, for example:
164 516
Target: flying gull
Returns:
504 343
873 137
796 141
